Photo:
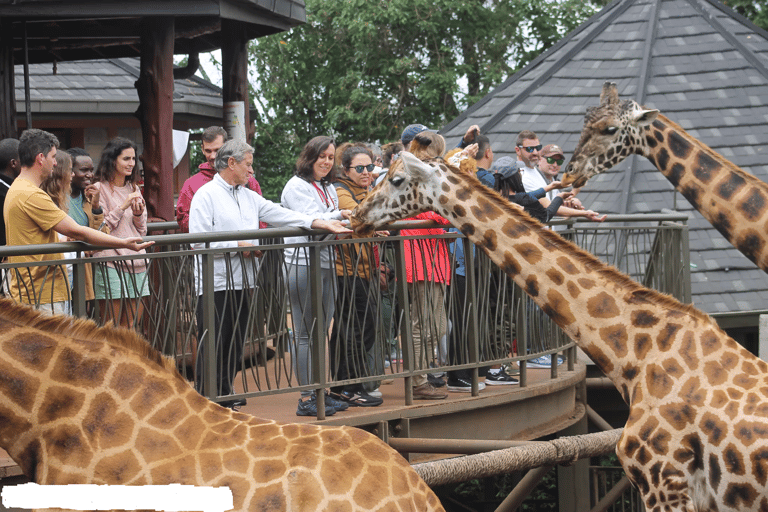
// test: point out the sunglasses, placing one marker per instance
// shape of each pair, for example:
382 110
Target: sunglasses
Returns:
362 168
558 161
531 149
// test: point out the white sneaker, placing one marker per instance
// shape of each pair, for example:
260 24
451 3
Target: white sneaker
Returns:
375 393
544 362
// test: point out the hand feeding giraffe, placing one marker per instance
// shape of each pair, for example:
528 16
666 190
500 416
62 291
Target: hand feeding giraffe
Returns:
697 433
732 200
81 404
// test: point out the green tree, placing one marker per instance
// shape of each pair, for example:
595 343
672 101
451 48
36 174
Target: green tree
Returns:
755 10
364 69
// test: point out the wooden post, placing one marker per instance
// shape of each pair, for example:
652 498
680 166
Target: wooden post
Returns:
155 87
234 71
7 86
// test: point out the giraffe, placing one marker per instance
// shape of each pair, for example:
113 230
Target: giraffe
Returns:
81 404
732 200
697 434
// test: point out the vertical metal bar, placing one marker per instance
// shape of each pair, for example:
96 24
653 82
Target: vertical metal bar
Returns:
406 336
78 286
210 368
316 335
473 337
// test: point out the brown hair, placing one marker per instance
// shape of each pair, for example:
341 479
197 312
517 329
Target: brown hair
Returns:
58 184
525 135
309 155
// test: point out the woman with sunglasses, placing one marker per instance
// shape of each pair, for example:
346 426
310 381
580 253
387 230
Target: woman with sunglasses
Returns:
356 314
310 191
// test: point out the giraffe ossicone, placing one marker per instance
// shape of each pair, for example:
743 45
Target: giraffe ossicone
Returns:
697 434
734 201
81 404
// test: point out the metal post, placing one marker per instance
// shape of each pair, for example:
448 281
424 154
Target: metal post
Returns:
523 489
210 356
473 336
27 96
317 336
406 336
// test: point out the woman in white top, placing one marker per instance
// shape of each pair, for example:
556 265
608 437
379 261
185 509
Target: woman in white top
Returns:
310 191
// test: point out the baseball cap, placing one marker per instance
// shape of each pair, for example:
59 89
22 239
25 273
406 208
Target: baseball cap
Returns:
411 131
552 150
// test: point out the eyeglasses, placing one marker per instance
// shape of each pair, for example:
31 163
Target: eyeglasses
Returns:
558 161
362 168
531 149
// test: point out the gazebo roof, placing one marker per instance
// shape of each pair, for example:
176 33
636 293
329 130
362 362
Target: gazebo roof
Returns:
60 30
702 65
105 87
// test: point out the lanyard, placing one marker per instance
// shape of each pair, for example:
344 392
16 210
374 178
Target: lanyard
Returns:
328 202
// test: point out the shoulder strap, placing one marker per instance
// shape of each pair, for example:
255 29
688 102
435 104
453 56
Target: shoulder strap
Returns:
339 184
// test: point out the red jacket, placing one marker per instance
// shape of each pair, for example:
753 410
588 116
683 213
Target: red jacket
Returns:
427 259
192 185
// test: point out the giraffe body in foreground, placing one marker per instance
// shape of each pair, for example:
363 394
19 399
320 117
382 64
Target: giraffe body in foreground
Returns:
81 404
697 434
732 200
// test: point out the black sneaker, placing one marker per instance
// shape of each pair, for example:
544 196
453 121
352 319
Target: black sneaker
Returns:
357 397
500 378
335 401
235 405
308 407
436 380
463 386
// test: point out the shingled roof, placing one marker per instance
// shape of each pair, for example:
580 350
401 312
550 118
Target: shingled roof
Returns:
702 65
95 88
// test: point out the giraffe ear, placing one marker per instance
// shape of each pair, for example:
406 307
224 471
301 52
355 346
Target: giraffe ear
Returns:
643 117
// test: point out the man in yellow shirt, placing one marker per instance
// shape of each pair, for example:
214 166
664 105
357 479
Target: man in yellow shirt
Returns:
32 218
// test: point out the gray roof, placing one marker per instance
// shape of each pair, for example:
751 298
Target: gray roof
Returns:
95 88
65 30
702 65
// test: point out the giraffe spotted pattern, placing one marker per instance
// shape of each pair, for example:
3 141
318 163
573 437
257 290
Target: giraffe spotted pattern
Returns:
81 404
732 200
697 434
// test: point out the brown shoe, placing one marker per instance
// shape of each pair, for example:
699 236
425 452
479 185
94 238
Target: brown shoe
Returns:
427 391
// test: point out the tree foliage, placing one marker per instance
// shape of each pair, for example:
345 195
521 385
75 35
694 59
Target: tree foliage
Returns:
363 69
755 10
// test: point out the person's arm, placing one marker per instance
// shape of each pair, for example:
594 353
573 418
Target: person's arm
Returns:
71 229
182 208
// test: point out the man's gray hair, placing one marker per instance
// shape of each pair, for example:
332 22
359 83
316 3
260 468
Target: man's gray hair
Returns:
233 148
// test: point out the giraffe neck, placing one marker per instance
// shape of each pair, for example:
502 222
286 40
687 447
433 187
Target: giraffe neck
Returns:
732 200
623 327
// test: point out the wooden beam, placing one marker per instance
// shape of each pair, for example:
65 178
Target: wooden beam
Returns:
7 86
155 87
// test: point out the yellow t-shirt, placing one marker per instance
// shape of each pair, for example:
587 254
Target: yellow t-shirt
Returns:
30 216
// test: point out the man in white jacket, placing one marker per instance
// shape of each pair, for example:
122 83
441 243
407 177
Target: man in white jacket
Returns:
225 204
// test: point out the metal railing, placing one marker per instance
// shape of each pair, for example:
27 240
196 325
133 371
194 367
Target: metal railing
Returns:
488 322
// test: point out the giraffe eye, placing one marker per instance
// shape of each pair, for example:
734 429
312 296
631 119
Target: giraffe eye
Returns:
397 180
610 130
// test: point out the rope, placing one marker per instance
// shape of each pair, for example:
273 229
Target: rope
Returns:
565 450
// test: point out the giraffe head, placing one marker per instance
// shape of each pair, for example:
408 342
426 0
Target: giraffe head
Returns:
611 133
402 194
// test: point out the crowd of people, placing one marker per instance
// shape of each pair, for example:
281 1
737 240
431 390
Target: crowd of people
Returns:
49 195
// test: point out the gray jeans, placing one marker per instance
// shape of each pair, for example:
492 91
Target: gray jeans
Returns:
302 319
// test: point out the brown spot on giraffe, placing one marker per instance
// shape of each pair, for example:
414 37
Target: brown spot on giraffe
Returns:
643 319
569 267
602 305
657 382
642 344
666 336
555 276
530 252
615 337
714 428
573 290
30 350
60 402
89 371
